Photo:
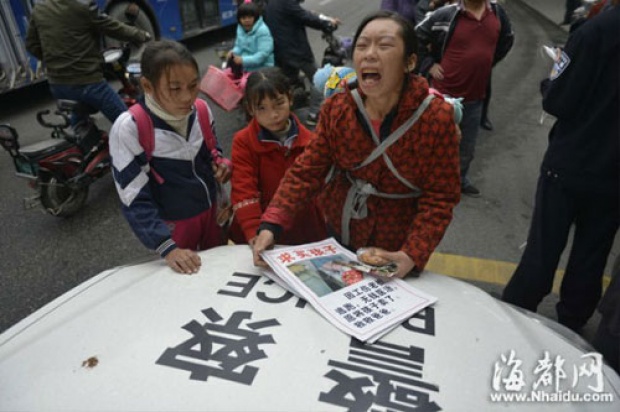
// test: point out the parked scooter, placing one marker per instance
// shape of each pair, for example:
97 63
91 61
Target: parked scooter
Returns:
338 50
62 168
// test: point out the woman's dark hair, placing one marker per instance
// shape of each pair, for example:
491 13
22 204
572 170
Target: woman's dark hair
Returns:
268 82
159 56
248 9
407 30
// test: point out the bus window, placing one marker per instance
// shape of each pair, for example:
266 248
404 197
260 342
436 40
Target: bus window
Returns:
211 13
189 15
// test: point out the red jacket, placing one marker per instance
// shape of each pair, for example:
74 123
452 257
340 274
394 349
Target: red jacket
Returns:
427 155
259 165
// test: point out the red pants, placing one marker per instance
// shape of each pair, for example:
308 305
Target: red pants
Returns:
200 232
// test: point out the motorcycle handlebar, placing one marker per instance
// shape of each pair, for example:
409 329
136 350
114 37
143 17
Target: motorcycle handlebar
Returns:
329 28
330 23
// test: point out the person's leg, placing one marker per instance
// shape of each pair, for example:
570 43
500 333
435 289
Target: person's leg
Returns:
211 233
186 233
608 344
316 97
551 222
298 87
102 97
99 96
71 92
485 122
470 125
570 7
596 224
291 72
607 339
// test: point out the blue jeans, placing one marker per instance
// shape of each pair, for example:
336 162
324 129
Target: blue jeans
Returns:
99 96
470 125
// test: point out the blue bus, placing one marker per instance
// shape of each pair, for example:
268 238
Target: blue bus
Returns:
171 19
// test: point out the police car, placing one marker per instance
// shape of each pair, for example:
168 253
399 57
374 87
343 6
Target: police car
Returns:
141 338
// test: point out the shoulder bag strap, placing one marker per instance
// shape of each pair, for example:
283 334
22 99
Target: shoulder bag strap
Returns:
391 139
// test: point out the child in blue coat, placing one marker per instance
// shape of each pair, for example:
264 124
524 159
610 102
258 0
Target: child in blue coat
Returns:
253 48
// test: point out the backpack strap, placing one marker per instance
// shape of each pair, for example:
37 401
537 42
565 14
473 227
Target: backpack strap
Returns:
205 124
202 111
146 136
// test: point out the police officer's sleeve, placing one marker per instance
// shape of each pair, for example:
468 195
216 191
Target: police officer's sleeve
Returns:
571 77
305 17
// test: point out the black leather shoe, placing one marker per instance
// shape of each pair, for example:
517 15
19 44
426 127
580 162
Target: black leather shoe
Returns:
486 124
470 190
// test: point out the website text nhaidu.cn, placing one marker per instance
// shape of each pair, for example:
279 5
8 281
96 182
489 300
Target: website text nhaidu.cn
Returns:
551 397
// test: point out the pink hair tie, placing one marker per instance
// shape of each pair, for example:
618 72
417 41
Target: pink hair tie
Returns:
247 1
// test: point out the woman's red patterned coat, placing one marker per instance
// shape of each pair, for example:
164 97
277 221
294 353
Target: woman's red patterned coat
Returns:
427 156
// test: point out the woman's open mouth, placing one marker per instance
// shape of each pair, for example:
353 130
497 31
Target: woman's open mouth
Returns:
370 77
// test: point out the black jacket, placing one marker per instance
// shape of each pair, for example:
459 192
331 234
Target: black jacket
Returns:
287 21
583 94
437 28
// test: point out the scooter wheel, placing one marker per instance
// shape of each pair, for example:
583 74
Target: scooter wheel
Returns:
61 200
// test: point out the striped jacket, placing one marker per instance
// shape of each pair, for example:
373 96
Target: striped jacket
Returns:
188 187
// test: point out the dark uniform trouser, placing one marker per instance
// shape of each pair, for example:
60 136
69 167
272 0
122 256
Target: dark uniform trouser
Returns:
569 9
308 68
607 338
596 219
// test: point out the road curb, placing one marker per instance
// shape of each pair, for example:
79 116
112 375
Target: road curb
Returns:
542 15
486 270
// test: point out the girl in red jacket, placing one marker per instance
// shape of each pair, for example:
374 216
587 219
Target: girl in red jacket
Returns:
262 152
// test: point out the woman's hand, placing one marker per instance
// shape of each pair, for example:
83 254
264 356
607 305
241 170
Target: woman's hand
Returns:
238 60
222 172
436 71
183 261
265 240
401 259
